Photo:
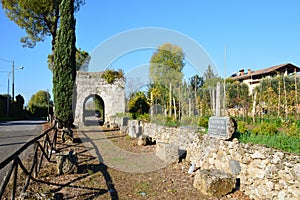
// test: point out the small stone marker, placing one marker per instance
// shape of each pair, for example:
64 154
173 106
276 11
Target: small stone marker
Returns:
221 127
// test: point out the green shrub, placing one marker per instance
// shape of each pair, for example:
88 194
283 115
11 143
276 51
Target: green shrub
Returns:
241 128
265 129
110 75
292 131
144 117
203 122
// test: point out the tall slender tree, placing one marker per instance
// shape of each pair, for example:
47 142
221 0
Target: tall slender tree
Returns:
64 64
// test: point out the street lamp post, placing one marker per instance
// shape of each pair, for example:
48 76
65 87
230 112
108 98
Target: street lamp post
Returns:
7 102
13 82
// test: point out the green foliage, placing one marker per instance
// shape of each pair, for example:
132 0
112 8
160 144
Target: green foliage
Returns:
164 121
293 131
166 65
265 129
39 100
38 104
82 60
99 105
196 82
237 95
138 104
241 127
144 117
291 128
110 75
203 122
64 64
279 141
39 18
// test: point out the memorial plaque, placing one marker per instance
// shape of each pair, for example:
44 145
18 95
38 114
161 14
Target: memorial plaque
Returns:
218 127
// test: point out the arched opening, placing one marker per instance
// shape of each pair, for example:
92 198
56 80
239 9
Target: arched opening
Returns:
93 110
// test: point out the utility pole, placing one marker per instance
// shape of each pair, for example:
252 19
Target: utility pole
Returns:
13 81
7 103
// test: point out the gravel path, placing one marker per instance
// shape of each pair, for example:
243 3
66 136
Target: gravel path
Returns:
119 159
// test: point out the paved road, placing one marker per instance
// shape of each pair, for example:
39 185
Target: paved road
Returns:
14 134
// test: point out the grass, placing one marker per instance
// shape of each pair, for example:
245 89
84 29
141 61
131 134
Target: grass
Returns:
278 141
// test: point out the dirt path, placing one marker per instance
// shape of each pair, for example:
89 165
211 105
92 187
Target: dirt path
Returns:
101 147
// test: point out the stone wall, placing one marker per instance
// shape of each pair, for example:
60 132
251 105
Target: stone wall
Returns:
90 83
263 173
183 137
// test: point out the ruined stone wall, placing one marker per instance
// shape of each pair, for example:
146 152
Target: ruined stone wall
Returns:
91 83
263 173
183 137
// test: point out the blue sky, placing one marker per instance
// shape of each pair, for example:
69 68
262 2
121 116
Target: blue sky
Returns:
257 34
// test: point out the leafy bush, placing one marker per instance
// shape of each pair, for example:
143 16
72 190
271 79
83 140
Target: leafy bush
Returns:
144 117
265 129
110 75
203 122
292 131
241 128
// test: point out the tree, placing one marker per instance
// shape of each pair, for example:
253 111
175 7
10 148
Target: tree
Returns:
138 103
166 66
64 64
42 98
82 60
39 18
210 83
20 101
196 82
38 101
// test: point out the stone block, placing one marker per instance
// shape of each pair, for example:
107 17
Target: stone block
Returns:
214 183
167 152
235 167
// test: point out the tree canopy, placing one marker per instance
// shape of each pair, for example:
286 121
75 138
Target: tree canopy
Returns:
39 18
166 64
39 99
138 103
82 60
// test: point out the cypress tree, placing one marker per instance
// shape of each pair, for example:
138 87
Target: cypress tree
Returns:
64 71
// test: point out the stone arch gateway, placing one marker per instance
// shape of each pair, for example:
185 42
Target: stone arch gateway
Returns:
91 83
